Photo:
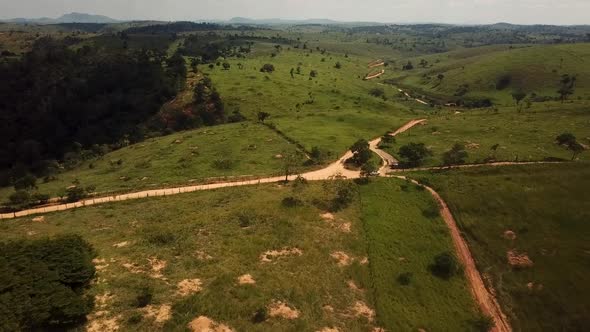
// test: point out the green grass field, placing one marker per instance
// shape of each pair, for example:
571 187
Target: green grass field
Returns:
240 149
526 136
546 206
225 240
401 239
330 111
529 68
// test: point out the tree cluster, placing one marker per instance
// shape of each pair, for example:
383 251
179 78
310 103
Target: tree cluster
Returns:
42 283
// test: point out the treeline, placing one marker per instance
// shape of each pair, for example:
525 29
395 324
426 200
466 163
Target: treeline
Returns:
178 27
55 102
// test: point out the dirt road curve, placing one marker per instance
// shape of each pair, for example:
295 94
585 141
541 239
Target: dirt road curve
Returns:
487 302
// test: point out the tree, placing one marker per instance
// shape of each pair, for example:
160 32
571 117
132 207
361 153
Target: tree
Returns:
262 116
361 152
292 72
27 182
576 148
413 154
298 70
408 66
440 77
566 139
444 265
47 279
368 169
267 68
313 73
494 150
290 160
518 96
455 156
566 86
226 66
423 63
338 65
377 92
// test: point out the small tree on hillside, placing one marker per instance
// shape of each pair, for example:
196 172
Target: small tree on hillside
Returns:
569 141
413 154
292 72
368 169
566 86
455 156
267 68
338 65
262 116
494 150
313 73
226 66
565 139
518 96
576 148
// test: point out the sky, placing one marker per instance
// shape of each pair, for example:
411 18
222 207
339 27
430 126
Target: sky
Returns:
564 12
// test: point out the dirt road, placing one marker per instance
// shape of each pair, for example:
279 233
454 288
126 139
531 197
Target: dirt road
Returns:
486 301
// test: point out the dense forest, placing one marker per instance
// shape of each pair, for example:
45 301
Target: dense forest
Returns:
56 100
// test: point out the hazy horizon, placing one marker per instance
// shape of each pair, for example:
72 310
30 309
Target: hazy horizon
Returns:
567 12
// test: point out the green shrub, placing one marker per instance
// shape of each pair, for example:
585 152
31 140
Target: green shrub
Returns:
223 164
42 283
20 197
144 297
445 265
405 278
260 316
291 202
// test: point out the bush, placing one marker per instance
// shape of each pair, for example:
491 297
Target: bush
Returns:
74 194
160 237
43 283
259 316
483 324
313 73
223 164
291 202
444 266
144 297
267 68
405 278
40 198
377 92
27 182
20 197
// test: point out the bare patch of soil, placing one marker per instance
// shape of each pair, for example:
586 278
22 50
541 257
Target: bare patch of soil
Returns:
202 256
328 308
518 260
352 285
121 244
509 235
158 266
103 324
327 216
100 264
206 324
472 146
39 219
133 267
160 314
329 329
364 261
189 286
246 279
342 258
346 227
282 310
270 255
360 308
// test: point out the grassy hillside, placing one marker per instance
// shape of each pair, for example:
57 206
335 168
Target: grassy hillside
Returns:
401 239
229 150
150 247
526 136
331 111
546 208
496 71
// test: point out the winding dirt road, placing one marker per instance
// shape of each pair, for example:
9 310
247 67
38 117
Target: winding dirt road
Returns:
487 302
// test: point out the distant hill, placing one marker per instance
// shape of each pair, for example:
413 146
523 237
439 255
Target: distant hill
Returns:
277 21
67 18
497 71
